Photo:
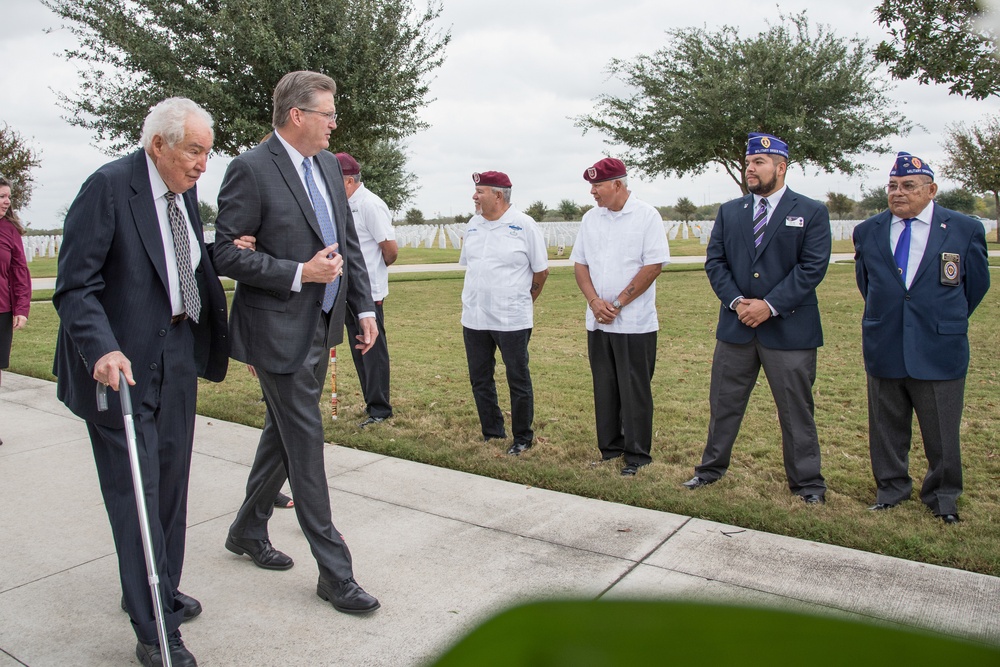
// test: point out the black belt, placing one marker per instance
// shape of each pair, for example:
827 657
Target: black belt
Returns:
178 318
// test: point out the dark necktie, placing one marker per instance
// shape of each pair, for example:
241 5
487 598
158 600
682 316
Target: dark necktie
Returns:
325 226
759 223
182 254
902 252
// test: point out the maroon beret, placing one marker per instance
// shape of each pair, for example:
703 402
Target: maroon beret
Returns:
493 179
348 164
605 170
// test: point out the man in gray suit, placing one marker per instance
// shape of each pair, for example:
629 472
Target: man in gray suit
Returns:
288 311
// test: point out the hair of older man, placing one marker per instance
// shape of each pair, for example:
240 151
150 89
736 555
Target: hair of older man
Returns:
297 90
504 192
169 119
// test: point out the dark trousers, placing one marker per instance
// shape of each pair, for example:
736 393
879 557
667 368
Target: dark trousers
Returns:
164 426
480 350
938 406
791 374
622 366
291 446
373 366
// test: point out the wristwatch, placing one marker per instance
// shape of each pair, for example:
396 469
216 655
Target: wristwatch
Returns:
616 304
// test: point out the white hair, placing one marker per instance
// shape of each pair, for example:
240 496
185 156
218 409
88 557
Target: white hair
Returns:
504 192
169 118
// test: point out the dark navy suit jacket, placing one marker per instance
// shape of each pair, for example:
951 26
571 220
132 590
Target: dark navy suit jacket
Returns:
785 270
111 290
920 332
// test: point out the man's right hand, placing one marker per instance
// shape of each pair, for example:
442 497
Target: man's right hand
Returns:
107 367
325 266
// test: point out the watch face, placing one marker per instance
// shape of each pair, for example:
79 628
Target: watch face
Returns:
616 303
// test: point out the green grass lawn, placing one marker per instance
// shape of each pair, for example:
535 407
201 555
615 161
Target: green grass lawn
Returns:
436 419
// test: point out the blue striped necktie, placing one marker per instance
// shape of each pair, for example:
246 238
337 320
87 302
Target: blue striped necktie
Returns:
759 223
325 226
902 252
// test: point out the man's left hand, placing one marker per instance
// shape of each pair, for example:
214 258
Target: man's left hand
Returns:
753 312
369 332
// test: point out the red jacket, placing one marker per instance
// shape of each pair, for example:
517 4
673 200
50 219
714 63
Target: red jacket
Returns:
15 281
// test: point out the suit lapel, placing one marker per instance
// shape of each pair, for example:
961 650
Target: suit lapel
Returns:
144 216
884 244
290 174
330 169
935 239
746 224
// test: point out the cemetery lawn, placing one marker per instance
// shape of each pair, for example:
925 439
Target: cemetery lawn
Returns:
436 423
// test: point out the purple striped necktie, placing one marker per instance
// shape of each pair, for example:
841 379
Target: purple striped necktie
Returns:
759 223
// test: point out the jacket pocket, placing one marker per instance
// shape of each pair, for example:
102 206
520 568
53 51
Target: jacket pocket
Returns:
953 327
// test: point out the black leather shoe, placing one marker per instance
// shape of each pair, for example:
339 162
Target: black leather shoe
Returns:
370 421
950 518
630 469
605 459
261 551
697 482
149 654
814 499
519 447
191 606
881 507
346 596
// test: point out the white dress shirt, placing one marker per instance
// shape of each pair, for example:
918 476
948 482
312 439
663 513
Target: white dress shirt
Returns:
920 229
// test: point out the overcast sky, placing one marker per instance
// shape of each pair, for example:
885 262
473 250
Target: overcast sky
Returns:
514 77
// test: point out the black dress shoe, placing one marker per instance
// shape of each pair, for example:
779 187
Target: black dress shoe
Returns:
630 469
697 482
149 654
346 596
261 551
371 420
519 447
881 507
814 499
950 518
605 459
191 606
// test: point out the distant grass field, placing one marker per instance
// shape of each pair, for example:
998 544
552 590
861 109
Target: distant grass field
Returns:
436 420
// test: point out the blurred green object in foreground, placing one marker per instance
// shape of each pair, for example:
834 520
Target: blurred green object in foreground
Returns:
638 633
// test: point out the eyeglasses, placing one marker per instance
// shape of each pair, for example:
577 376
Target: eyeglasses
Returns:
908 187
330 115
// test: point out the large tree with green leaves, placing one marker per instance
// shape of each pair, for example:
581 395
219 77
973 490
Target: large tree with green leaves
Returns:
695 100
974 158
228 55
940 41
17 159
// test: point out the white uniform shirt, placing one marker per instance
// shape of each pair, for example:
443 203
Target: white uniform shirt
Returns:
920 230
615 245
373 223
501 259
160 189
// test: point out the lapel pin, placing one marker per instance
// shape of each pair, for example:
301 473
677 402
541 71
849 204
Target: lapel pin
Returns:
944 226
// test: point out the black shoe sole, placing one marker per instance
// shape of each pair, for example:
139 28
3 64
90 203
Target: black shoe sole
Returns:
240 551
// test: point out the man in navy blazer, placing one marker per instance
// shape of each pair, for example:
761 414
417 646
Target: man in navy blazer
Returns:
138 295
288 311
768 252
922 270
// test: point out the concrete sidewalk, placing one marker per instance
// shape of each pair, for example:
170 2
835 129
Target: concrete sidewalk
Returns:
442 550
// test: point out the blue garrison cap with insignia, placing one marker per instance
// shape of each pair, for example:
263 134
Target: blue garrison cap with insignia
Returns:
758 142
910 165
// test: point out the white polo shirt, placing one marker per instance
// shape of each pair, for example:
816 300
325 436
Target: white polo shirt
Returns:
501 257
373 223
614 245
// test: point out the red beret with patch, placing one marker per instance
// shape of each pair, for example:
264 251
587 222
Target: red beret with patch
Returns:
493 179
605 170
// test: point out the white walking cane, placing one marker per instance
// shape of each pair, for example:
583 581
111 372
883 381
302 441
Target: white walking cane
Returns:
140 506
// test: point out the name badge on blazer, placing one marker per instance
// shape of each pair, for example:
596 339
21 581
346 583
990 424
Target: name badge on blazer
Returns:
950 269
794 221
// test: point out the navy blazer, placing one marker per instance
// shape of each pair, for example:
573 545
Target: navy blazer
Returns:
920 332
791 261
111 290
262 195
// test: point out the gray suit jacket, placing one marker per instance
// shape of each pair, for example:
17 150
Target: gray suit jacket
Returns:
271 326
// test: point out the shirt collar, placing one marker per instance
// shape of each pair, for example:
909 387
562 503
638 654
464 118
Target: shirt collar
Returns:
925 216
772 199
155 180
